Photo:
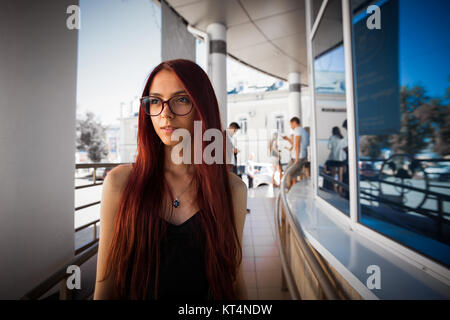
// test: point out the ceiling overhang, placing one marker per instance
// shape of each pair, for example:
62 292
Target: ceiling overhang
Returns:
266 35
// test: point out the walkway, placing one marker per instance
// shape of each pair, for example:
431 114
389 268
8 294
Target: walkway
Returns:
261 258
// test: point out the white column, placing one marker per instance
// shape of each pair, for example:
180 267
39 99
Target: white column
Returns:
38 81
295 102
218 69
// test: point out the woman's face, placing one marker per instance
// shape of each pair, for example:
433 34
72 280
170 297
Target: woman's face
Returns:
166 85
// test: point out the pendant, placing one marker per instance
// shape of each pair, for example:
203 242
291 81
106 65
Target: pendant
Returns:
176 203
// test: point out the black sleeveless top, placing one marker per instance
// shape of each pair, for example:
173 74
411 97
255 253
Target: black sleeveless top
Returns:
182 273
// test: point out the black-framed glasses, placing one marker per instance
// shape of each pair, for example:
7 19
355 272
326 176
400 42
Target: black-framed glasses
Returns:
179 105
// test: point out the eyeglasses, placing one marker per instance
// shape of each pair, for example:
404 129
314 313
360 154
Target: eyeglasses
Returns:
179 105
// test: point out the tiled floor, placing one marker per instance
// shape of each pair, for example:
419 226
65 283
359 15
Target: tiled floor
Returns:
261 259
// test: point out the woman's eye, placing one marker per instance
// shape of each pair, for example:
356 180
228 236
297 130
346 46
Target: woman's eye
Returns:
183 100
154 101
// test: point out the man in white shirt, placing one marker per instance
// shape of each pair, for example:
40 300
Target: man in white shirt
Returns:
231 150
299 140
231 146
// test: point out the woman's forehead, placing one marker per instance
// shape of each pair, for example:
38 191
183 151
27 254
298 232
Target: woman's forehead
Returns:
165 82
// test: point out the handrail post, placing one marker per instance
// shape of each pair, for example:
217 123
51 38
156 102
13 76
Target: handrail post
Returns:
284 286
94 176
64 292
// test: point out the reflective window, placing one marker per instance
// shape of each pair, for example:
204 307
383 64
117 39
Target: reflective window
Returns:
402 74
331 109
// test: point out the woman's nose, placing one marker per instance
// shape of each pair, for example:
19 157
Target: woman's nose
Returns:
166 112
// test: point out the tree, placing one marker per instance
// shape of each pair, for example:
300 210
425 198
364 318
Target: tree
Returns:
91 137
442 144
424 121
413 134
371 146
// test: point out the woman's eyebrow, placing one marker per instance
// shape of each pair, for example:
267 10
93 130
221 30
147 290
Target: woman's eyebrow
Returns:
160 95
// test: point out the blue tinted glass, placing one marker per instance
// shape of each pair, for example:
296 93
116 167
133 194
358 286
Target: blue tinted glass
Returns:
402 74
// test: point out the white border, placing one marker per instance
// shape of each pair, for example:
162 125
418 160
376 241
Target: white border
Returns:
310 69
351 112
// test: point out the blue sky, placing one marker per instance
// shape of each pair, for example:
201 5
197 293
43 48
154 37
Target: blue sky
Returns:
425 44
118 46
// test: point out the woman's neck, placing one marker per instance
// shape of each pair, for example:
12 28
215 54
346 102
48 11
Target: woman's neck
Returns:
179 170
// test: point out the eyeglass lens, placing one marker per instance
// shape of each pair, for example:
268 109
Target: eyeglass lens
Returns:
179 105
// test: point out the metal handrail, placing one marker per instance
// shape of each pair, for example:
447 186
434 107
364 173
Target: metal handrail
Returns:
87 205
83 253
59 275
284 263
94 223
96 165
87 225
318 272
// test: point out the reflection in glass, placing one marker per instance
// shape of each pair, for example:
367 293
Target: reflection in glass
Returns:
402 75
330 108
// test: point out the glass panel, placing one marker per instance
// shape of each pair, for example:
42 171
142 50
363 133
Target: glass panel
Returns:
402 98
331 110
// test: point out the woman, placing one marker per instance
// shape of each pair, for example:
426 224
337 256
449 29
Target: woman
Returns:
172 230
275 158
335 162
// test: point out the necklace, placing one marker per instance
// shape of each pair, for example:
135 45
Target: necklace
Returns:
176 203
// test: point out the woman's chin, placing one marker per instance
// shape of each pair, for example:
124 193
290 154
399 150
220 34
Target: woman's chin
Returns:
169 143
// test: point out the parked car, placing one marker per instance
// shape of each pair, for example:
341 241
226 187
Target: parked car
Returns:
367 170
438 172
264 174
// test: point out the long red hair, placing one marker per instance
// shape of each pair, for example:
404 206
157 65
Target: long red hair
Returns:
134 253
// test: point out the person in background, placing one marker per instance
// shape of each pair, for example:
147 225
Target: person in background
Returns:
232 151
335 161
306 171
344 141
344 148
299 141
250 170
275 157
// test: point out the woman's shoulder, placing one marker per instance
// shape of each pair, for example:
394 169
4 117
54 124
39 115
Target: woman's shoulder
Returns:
236 183
118 176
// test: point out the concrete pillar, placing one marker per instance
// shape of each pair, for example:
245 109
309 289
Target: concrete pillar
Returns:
176 41
218 69
38 63
295 102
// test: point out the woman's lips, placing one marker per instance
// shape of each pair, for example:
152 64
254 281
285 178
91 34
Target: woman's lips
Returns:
168 129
